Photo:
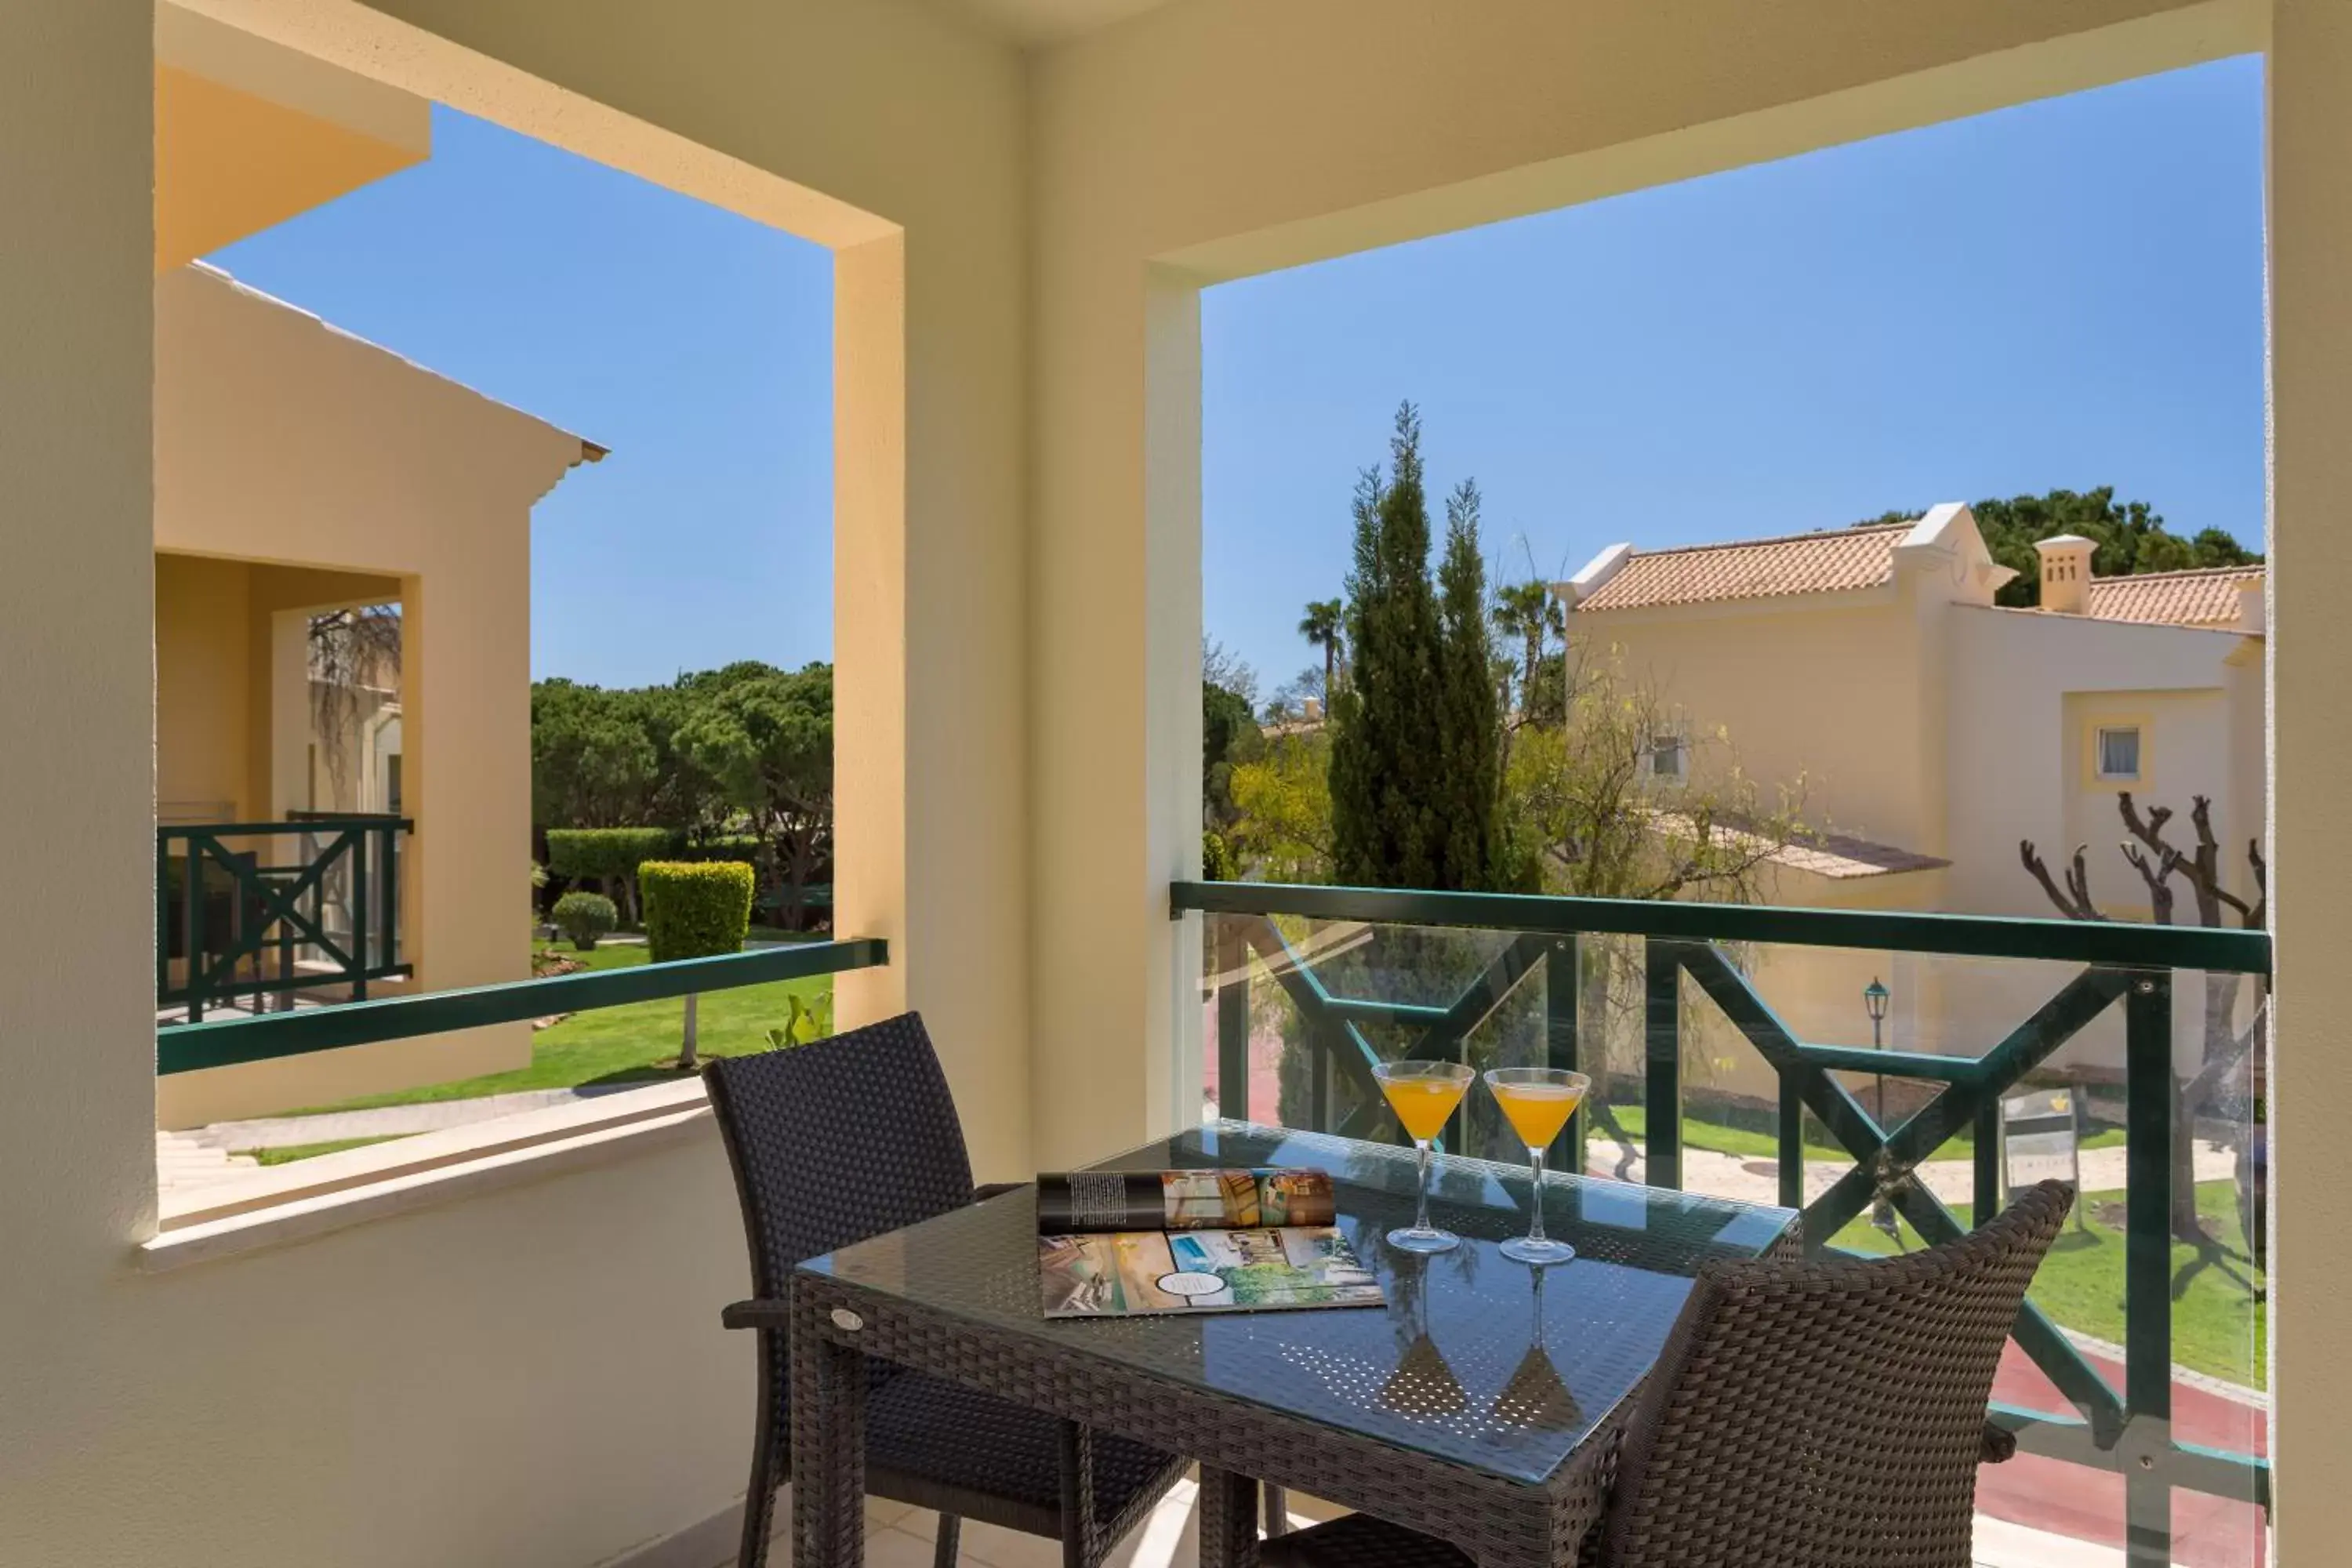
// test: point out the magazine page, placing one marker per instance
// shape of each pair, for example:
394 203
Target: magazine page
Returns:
1183 1199
1123 1274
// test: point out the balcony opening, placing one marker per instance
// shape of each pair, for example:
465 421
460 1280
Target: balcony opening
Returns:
1826 541
494 539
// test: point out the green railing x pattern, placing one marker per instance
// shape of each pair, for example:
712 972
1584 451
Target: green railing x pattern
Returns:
322 910
2126 1430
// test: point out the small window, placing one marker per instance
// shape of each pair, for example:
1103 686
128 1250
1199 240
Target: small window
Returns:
1666 757
2119 752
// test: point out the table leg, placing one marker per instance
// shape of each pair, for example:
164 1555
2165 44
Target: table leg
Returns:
1278 1512
828 1449
1228 1519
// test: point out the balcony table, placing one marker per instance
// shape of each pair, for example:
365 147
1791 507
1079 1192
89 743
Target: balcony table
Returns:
1480 1406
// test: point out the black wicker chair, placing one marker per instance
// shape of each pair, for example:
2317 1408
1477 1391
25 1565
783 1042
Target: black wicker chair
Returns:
847 1138
1802 1413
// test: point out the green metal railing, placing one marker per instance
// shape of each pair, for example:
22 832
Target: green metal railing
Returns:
255 911
226 1041
2126 1430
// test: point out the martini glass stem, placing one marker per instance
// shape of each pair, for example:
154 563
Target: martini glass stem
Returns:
1421 1213
1535 1194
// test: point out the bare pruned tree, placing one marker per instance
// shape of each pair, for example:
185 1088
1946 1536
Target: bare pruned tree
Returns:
1618 797
349 650
2149 850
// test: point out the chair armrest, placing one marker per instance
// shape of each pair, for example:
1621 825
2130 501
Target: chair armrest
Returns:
1999 1446
768 1314
757 1314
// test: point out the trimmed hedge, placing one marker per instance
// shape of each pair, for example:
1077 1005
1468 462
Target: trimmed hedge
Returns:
604 851
584 917
744 847
695 909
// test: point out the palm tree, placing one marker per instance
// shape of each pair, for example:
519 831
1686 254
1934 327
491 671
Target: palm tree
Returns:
1528 611
1320 628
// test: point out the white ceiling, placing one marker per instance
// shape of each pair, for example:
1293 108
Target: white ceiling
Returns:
1033 22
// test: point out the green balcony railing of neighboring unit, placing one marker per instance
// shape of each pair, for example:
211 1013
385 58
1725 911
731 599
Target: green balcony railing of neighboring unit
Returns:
2126 1430
224 1042
254 912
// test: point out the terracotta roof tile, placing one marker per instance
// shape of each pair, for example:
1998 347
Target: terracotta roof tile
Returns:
1840 857
1752 569
2207 597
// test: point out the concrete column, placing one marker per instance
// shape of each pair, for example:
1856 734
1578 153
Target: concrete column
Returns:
288 716
1115 706
77 698
2310 1081
930 807
870 613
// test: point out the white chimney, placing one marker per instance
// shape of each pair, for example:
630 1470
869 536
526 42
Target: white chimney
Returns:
2254 595
2066 573
1597 572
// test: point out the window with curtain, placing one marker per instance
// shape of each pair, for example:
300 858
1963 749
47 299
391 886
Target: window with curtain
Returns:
2118 752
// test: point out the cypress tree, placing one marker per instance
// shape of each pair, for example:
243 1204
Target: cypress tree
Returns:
1386 829
1469 717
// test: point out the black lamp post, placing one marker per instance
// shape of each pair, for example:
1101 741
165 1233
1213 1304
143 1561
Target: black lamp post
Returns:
1874 997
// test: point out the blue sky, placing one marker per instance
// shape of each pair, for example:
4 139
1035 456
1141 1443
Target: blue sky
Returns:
2064 294
2068 293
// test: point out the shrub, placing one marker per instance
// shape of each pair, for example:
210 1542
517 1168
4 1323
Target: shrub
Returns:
604 851
584 917
744 847
809 1021
695 909
1217 857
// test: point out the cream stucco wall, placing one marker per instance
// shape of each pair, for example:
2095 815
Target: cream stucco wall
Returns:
1858 751
223 629
2026 687
2310 224
203 687
447 1387
247 135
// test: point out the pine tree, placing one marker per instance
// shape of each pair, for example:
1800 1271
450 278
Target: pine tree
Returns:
1469 719
1385 756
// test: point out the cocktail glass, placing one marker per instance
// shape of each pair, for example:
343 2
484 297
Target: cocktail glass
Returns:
1422 1095
1538 1102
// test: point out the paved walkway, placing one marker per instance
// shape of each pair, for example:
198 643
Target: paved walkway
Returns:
389 1121
184 1160
1757 1181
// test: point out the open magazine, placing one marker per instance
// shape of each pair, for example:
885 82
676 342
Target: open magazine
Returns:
1116 1244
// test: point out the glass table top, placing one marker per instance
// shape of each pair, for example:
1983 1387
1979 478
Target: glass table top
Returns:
1474 1358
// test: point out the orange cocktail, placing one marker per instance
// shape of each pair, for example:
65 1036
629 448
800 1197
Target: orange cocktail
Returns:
1538 1112
1422 1104
1538 1102
1422 1095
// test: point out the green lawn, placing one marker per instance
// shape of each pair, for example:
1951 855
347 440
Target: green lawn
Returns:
2218 1326
287 1153
630 1044
1748 1144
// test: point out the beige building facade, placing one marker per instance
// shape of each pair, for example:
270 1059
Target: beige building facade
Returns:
518 1364
1930 733
300 470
